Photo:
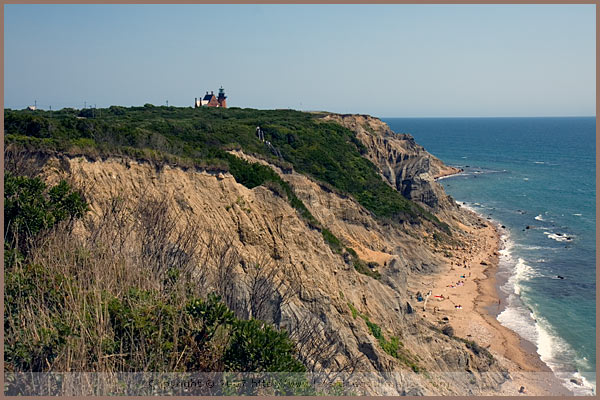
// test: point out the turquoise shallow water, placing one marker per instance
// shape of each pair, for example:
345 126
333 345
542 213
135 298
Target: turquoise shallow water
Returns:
537 173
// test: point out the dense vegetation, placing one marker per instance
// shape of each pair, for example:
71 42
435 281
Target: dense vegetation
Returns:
324 150
30 208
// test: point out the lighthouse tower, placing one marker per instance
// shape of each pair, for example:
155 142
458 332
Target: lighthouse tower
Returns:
222 98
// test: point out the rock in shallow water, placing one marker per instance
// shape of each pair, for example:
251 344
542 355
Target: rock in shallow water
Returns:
577 381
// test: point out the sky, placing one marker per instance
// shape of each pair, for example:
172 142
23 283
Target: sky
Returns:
384 60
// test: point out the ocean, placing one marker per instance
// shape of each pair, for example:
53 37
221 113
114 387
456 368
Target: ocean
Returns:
535 176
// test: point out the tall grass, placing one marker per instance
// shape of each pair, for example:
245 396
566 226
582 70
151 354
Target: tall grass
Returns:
124 291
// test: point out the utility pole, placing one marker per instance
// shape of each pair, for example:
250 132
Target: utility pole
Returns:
167 103
84 104
35 104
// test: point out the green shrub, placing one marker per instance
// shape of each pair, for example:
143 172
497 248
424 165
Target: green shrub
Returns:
374 329
352 252
211 314
361 267
353 309
391 347
30 208
332 241
256 346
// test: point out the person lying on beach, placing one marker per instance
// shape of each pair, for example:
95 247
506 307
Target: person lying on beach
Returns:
458 307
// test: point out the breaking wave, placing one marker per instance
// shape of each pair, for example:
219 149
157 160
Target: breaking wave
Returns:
559 237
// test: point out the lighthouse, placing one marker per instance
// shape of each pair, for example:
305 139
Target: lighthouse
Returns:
222 98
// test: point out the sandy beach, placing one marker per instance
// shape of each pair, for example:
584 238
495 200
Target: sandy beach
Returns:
465 292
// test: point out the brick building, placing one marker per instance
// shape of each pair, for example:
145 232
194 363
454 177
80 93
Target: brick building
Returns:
210 100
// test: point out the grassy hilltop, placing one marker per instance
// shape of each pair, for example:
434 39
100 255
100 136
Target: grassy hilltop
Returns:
324 150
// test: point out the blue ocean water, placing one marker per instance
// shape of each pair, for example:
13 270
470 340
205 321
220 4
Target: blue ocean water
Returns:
535 176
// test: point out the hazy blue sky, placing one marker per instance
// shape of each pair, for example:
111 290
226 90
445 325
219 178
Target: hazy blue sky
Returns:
384 60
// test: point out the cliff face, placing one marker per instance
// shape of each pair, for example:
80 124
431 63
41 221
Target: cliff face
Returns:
332 311
404 164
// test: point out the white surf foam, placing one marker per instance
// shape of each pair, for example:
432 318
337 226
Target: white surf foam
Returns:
451 176
542 228
522 272
529 248
556 353
519 320
588 386
552 349
559 237
517 316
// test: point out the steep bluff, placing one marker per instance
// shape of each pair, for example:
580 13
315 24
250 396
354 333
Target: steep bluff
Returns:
341 319
403 163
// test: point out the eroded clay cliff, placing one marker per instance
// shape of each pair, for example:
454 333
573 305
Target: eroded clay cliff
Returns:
403 163
319 296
